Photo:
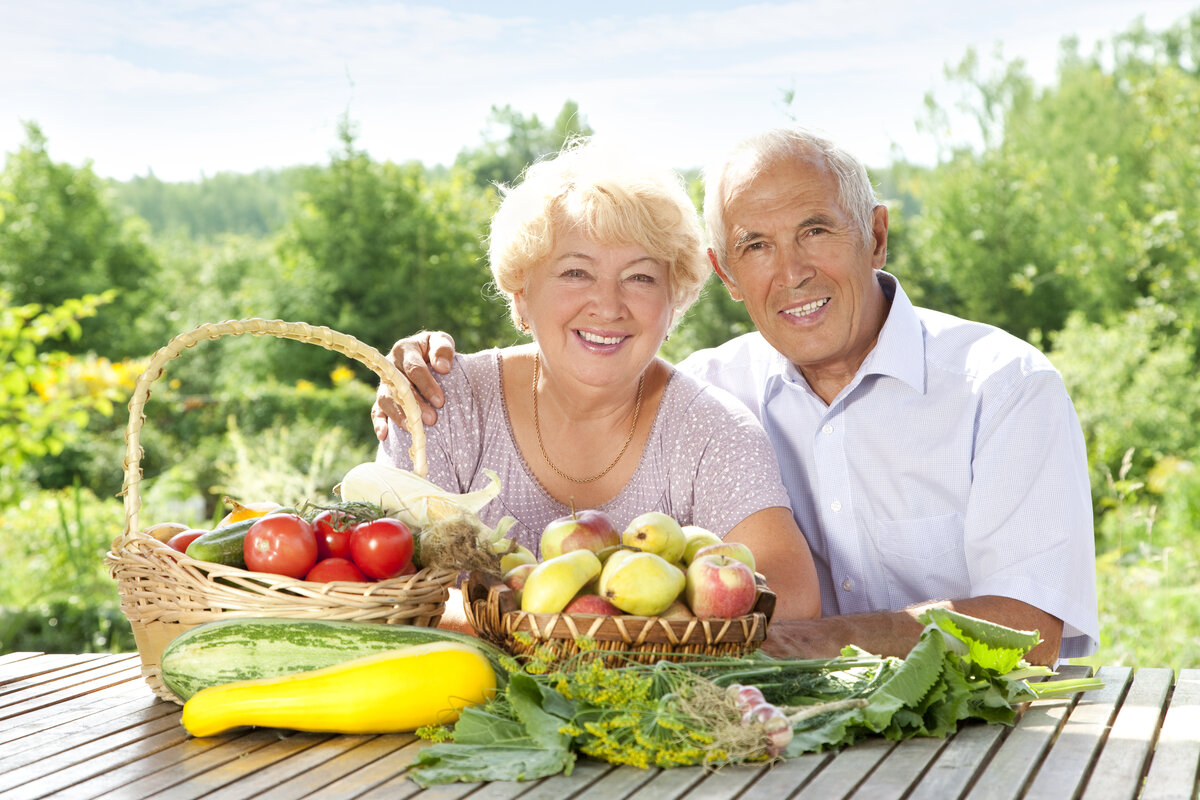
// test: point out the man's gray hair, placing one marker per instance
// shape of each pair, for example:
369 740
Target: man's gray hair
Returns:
763 150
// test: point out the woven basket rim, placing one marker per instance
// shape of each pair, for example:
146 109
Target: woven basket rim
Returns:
492 611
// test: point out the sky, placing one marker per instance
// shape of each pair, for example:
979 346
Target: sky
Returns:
188 88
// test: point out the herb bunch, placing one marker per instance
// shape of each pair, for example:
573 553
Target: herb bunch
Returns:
687 712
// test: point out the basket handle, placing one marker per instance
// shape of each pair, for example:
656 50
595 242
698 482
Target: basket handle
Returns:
393 380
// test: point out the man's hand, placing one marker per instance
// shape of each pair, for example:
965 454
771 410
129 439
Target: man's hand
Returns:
414 356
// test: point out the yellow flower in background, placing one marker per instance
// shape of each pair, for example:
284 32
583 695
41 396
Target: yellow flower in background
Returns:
305 386
341 375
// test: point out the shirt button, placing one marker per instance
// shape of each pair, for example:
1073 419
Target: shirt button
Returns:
827 429
848 585
836 505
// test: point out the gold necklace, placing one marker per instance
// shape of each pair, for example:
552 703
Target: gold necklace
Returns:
537 426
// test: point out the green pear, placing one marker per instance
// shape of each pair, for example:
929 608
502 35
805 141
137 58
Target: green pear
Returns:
552 583
696 537
658 533
644 584
610 566
519 555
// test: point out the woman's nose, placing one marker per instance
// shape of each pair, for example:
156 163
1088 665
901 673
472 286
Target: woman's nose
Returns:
607 301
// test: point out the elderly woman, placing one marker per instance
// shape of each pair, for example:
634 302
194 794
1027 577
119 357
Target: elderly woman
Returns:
598 259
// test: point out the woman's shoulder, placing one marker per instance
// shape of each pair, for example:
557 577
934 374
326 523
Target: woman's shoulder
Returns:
686 396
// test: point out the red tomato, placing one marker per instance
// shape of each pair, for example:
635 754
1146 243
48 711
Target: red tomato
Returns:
382 548
284 544
333 534
181 540
335 569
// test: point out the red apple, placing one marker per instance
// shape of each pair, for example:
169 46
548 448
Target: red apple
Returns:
735 550
584 530
514 579
719 586
591 604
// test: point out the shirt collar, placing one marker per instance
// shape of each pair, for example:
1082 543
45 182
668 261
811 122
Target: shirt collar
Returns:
899 352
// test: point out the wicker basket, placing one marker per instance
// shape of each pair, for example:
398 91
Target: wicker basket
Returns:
164 592
492 610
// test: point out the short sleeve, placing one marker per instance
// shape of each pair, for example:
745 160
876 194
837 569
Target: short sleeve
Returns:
736 473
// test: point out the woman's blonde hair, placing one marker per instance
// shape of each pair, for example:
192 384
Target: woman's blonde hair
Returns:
610 198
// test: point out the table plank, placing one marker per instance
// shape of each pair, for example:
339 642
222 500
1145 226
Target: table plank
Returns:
959 762
785 777
847 770
379 760
1022 750
1173 772
583 776
51 777
669 784
37 695
390 769
902 767
170 773
104 714
1066 765
728 783
1122 764
23 666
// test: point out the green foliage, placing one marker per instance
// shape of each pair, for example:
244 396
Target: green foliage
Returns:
255 205
513 141
56 595
381 250
1081 195
289 464
1134 387
42 407
60 239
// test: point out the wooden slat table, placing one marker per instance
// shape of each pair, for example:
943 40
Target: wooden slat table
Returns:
87 726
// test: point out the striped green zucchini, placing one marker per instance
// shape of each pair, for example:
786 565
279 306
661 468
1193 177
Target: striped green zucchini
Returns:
239 649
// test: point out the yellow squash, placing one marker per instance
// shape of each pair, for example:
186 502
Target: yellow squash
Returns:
399 690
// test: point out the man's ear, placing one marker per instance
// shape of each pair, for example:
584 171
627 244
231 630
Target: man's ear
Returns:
730 285
879 227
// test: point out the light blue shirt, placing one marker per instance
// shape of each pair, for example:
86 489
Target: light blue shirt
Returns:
952 466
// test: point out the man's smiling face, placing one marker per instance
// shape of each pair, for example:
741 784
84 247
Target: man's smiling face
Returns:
798 262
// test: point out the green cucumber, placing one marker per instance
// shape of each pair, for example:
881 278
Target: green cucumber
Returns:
225 545
240 649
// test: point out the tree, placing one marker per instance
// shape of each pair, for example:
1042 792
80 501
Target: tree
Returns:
60 239
1080 196
379 251
512 142
42 406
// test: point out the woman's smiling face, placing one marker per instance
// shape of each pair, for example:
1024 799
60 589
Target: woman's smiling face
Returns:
598 311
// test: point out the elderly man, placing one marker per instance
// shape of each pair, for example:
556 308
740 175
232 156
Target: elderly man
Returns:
930 460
